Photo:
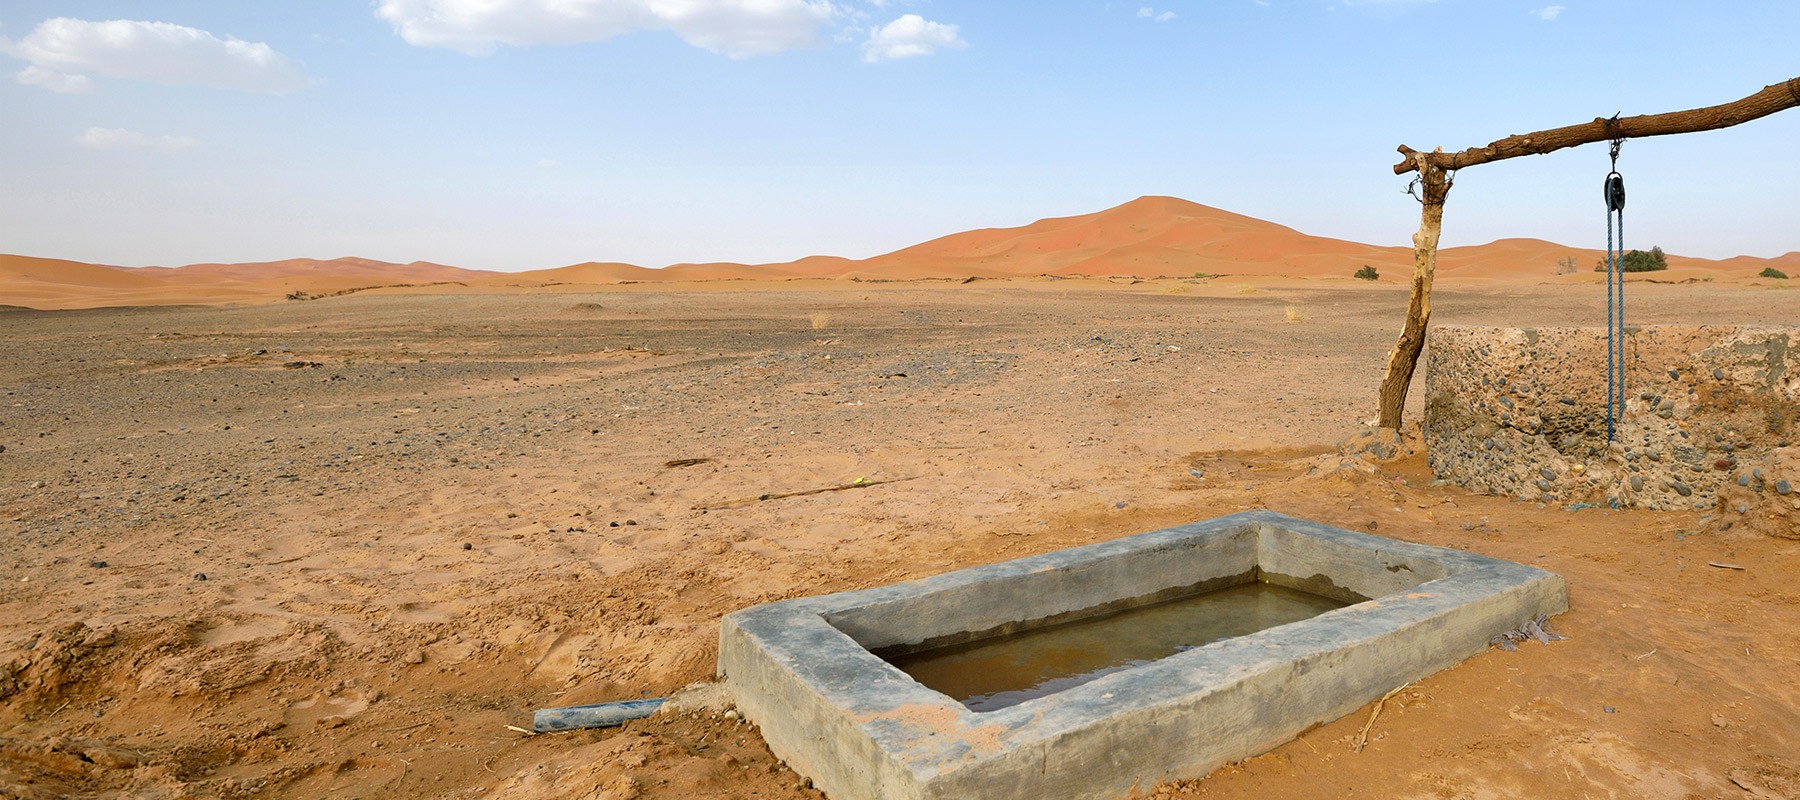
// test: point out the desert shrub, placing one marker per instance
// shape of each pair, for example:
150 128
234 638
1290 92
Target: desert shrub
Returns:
1771 272
1639 261
1367 273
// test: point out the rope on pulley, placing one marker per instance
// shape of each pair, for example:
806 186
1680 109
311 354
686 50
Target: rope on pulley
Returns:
1615 287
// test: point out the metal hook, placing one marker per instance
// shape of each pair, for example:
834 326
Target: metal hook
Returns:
1617 137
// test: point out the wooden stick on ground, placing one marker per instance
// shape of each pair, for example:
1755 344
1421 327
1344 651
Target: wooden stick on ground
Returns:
857 484
1363 738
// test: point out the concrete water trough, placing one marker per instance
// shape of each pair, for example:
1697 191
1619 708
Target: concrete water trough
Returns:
815 673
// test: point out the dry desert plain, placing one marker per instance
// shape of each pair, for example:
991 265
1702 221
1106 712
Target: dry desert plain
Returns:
334 548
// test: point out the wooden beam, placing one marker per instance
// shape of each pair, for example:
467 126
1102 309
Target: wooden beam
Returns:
1774 97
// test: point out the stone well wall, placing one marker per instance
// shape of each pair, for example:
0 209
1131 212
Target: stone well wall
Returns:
1712 417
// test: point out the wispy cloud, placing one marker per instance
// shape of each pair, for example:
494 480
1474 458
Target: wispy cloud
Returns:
736 28
1150 13
63 52
1548 13
1389 4
910 36
122 139
53 80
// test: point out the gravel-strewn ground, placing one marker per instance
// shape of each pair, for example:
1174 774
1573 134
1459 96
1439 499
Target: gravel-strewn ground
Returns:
333 548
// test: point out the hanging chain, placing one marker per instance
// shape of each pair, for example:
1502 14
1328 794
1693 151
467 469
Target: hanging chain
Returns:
1615 286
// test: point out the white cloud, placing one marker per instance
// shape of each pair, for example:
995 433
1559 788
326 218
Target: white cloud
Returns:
53 80
737 28
548 163
1548 13
121 139
910 35
1150 13
63 52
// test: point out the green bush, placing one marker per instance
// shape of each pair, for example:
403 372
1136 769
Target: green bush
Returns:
1771 272
1367 273
1639 261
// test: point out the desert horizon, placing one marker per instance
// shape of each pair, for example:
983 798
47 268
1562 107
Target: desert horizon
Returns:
1149 237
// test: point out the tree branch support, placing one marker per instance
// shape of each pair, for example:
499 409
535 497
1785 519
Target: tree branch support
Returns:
1404 358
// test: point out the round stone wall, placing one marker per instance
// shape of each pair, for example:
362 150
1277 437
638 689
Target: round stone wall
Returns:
1712 417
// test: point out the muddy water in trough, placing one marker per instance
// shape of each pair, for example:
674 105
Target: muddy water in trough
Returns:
991 674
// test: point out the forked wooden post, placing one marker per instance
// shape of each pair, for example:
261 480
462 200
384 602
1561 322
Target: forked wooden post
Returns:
1434 169
1405 355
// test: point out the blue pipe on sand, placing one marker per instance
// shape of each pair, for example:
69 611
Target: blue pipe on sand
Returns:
598 715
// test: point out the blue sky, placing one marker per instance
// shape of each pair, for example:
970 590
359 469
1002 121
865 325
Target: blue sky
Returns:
495 134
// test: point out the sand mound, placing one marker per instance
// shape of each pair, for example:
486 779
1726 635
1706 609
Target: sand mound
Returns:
56 284
591 272
1146 237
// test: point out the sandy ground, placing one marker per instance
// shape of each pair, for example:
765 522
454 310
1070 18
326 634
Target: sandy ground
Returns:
334 548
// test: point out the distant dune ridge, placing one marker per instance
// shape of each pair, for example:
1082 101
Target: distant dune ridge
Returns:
49 283
1147 237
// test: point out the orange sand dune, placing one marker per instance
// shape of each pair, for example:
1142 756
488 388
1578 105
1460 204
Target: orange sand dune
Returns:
821 267
26 270
613 272
1513 259
596 272
55 284
364 269
1146 237
1787 262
